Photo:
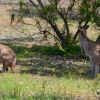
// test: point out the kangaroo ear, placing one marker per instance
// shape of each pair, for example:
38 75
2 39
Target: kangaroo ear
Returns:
80 27
86 27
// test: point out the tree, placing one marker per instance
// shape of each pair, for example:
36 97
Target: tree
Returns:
87 10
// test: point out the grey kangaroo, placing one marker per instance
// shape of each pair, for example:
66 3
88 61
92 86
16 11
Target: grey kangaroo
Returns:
91 48
8 58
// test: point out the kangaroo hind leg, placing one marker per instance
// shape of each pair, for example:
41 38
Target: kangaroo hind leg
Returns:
96 70
5 67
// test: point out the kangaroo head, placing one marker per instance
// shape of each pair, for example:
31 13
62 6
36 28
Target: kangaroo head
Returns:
82 30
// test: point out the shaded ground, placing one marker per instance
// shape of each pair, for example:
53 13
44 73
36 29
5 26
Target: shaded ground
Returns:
55 65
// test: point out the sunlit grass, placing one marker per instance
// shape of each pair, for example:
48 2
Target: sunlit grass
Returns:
42 87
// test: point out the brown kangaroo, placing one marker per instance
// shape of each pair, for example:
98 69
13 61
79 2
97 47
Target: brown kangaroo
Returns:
91 48
8 58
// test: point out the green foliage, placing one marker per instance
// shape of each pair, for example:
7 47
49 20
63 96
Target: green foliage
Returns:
96 15
21 51
85 10
37 9
24 10
21 4
89 11
49 9
46 50
72 50
50 13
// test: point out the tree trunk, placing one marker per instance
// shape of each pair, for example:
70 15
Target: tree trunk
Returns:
63 40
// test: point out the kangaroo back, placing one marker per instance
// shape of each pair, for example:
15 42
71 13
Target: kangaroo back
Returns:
8 58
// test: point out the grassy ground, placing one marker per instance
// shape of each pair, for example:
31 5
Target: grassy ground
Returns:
30 87
44 72
49 77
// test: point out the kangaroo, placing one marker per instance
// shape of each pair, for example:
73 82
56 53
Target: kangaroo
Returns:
8 58
91 48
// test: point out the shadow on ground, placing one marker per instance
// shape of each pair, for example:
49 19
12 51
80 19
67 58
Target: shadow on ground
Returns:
55 65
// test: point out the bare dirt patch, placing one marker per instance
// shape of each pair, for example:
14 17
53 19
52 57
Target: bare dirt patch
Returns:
13 33
5 13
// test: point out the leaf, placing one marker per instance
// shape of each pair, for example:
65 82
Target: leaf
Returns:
60 48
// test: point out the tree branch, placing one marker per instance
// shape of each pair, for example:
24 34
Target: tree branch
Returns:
75 36
33 3
65 21
41 4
